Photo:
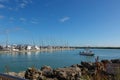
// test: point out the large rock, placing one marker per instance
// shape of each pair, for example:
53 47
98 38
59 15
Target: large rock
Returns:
47 71
105 61
77 65
69 73
88 65
21 74
46 68
12 73
32 74
115 61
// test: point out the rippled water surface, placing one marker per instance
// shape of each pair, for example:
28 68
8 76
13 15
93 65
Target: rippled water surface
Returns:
21 61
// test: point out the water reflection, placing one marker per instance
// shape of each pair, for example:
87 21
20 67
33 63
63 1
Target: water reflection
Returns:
29 53
88 58
37 52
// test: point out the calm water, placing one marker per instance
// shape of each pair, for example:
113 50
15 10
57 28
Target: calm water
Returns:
21 61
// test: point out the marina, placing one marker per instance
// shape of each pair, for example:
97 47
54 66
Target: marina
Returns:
29 48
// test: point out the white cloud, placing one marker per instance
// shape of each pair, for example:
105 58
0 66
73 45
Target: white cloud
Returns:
1 17
23 5
4 0
18 4
27 1
64 19
22 19
2 6
11 19
34 22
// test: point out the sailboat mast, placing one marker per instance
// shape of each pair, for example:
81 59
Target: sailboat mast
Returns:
7 38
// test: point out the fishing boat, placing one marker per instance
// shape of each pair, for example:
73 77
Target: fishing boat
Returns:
87 52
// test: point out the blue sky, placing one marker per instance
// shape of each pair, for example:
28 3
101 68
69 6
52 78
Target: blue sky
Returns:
77 22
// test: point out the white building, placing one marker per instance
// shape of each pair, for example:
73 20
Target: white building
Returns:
28 47
36 47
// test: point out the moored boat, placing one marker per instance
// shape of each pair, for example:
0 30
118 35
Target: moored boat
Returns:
87 53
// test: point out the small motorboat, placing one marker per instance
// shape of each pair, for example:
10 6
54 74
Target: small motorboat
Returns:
87 53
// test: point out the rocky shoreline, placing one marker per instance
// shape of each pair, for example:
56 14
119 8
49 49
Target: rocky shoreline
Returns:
99 70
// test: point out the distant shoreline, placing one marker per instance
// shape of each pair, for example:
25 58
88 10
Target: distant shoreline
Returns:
71 48
97 47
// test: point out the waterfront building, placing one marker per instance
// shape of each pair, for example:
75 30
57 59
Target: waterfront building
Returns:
28 47
35 47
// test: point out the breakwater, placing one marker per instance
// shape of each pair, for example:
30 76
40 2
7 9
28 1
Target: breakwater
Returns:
99 70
